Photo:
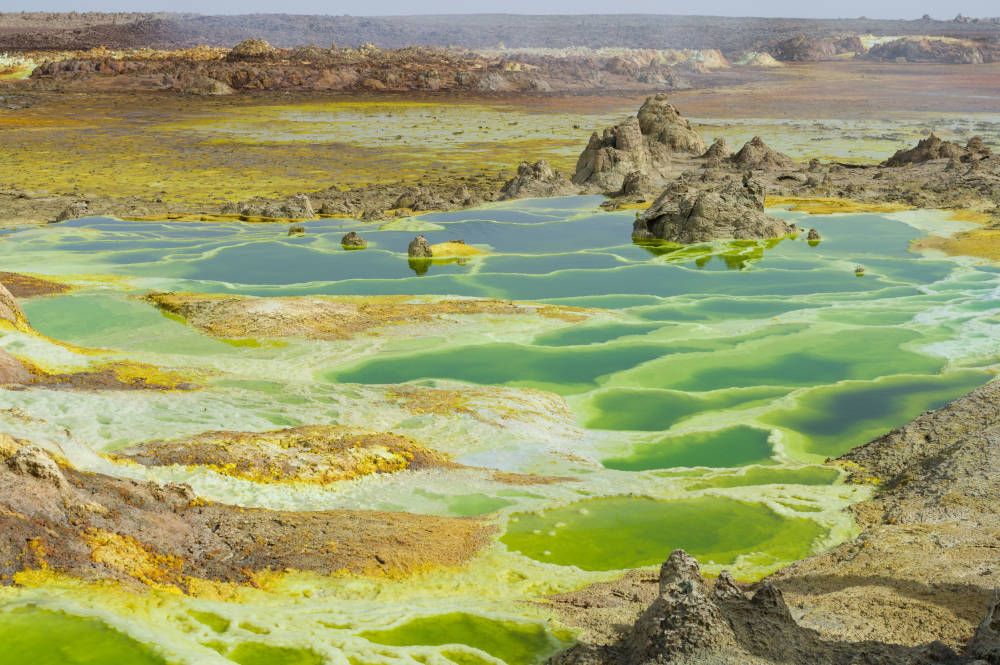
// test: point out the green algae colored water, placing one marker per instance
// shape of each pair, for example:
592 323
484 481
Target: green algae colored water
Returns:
720 376
46 637
735 446
629 532
515 643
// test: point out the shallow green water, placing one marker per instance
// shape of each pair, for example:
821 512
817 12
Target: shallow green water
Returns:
734 446
692 408
605 534
44 637
513 643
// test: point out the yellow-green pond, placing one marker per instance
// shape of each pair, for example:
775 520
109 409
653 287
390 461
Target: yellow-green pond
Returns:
693 406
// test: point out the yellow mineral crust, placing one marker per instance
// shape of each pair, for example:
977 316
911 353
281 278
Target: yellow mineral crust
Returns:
332 318
455 250
982 243
127 555
317 454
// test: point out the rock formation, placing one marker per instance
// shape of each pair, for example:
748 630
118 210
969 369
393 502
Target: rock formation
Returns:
926 150
804 48
757 155
717 154
419 248
10 311
13 371
73 211
294 207
933 147
251 50
535 181
692 623
644 143
928 49
353 240
730 210
666 129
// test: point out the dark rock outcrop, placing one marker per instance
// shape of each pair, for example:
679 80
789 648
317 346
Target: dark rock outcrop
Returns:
644 143
757 155
535 181
419 248
731 210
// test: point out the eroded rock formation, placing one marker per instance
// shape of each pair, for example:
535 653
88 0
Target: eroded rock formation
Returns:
757 155
643 143
733 209
933 147
535 181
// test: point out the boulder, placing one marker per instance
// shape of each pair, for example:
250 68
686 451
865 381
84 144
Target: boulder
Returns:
296 230
757 155
536 180
353 240
732 210
419 248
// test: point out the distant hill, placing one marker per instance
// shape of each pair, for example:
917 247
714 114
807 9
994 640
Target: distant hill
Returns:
731 35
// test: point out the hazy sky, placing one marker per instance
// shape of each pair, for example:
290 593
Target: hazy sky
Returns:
797 8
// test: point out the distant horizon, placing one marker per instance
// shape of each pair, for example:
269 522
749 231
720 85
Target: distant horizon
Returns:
778 9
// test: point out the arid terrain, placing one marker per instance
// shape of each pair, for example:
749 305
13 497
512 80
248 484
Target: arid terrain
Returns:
428 339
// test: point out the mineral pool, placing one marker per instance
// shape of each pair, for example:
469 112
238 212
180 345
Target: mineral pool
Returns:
692 405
